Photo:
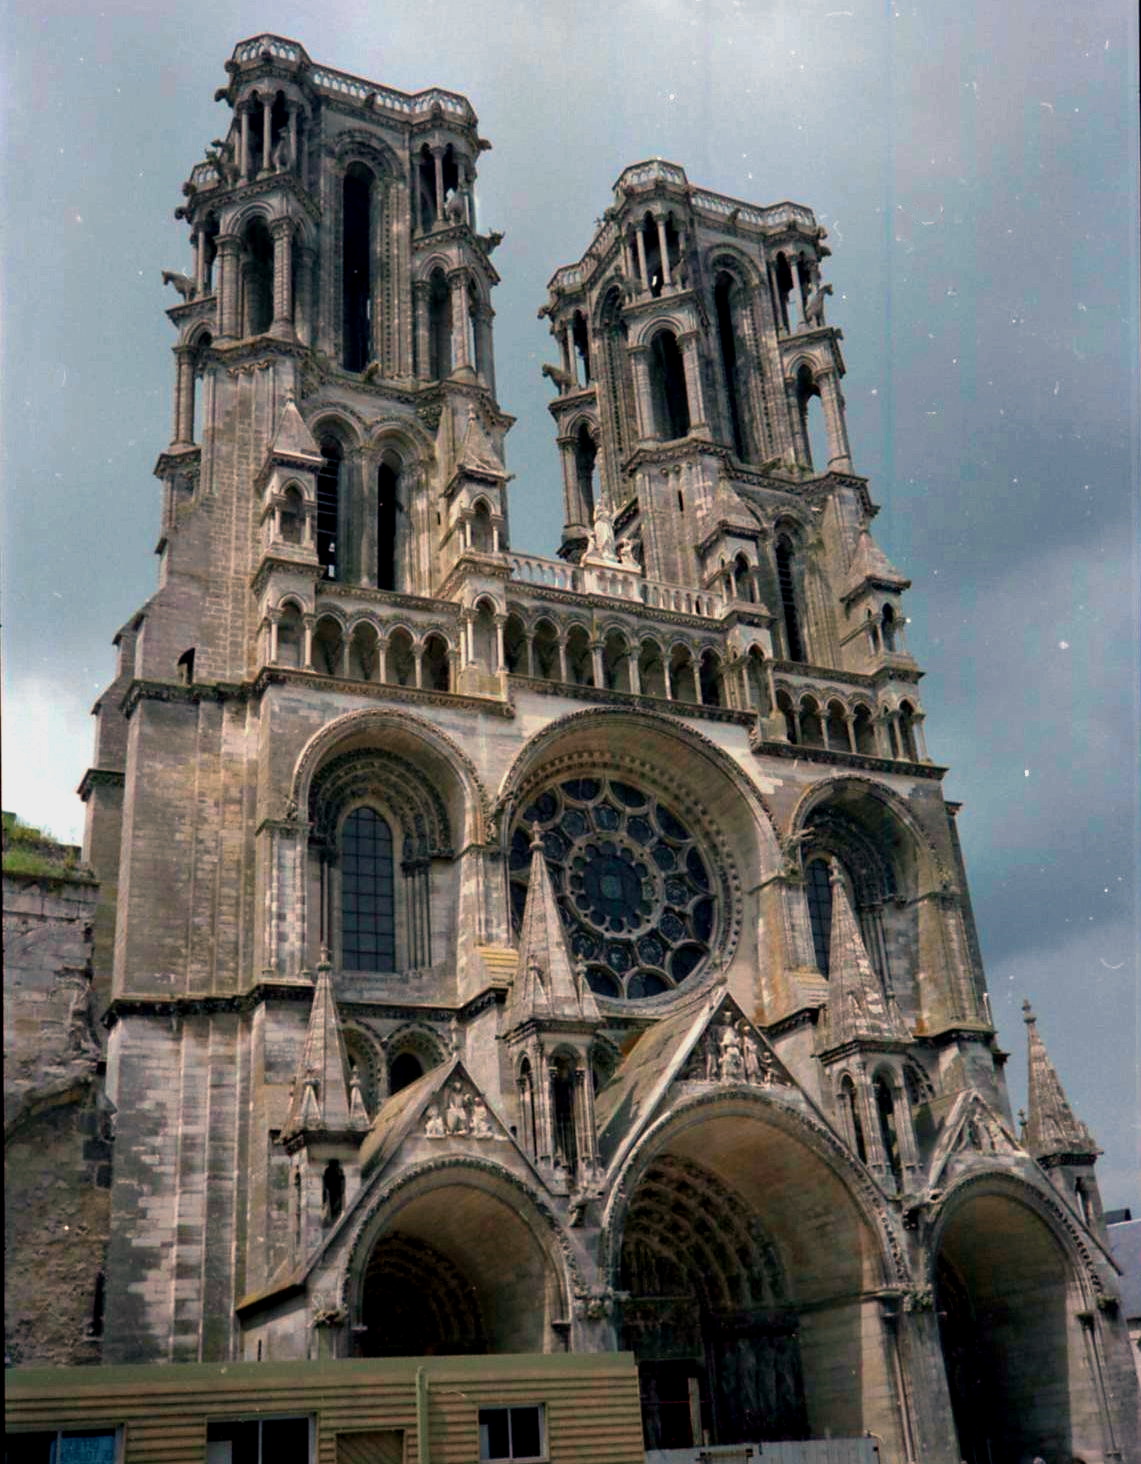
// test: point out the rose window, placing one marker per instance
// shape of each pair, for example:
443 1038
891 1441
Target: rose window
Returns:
633 885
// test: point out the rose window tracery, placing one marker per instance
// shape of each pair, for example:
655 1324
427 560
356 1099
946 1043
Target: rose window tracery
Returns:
633 883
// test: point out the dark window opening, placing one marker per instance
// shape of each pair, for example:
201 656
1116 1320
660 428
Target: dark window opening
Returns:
439 327
186 667
794 645
328 506
586 460
62 1446
580 348
387 508
667 377
818 888
511 1433
787 287
257 279
368 911
722 297
98 1305
258 1441
562 1104
851 1102
885 1107
332 1192
426 178
653 255
356 210
406 1068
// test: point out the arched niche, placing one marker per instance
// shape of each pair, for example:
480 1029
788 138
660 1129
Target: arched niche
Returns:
457 1259
746 1245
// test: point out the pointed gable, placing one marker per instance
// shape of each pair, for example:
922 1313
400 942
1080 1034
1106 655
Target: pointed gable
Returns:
319 1102
293 439
971 1128
1052 1128
547 981
444 1103
870 565
857 1009
476 454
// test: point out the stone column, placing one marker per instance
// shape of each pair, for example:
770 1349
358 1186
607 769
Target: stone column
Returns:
663 248
642 399
303 306
382 658
457 281
229 247
632 671
266 134
282 325
199 241
688 344
438 160
183 397
839 456
596 662
420 289
292 112
244 143
643 268
562 656
500 655
566 347
484 353
274 622
308 624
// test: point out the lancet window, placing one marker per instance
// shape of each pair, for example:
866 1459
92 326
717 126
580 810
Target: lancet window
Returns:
667 387
387 515
329 507
257 279
786 580
356 265
368 900
723 296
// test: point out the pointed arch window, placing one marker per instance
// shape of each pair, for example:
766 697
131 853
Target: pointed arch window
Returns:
387 511
439 327
818 888
667 382
329 506
368 907
889 1133
356 263
850 1100
786 579
723 293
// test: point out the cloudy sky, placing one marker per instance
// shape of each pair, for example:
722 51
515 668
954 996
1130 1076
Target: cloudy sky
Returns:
976 166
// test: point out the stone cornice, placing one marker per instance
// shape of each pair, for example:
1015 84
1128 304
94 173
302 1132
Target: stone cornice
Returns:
177 460
377 691
435 604
142 689
99 778
280 989
798 752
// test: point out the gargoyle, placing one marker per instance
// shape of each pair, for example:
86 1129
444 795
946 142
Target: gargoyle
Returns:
562 379
491 241
814 310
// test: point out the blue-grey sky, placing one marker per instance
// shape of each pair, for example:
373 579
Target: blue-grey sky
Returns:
976 166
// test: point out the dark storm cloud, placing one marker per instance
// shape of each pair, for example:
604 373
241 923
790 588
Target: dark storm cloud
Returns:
976 166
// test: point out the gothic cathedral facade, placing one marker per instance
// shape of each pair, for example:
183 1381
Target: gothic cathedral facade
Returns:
512 954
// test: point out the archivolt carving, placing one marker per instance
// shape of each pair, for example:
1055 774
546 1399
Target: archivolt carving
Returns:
354 145
397 783
367 1231
813 1133
829 787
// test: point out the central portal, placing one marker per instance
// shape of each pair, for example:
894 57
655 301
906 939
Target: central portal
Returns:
708 1316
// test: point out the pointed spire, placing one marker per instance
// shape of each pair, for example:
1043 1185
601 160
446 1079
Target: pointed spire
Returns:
319 1099
856 1005
292 438
1051 1128
870 563
547 983
476 450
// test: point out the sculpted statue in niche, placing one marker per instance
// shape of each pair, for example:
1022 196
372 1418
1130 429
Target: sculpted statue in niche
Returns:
433 1122
602 539
463 1115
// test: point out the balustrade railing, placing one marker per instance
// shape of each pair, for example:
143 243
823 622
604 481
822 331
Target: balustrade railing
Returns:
619 583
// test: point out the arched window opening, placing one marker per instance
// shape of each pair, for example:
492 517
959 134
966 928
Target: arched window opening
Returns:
562 1111
368 908
709 677
758 681
426 189
327 646
403 1070
292 516
889 1135
198 414
744 587
515 646
298 1211
482 534
811 730
185 667
892 738
580 662
868 875
1085 1204
907 731
329 506
526 1084
683 682
851 1101
208 244
546 651
449 173
653 248
616 662
785 554
837 727
289 629
888 625
580 349
586 461
651 670
667 386
98 1305
400 662
673 246
436 664
818 891
813 434
873 629
356 262
483 634
865 732
439 327
257 279
387 515
727 340
363 654
332 1193
788 712
788 287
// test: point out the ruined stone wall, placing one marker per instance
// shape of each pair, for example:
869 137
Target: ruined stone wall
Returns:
57 1124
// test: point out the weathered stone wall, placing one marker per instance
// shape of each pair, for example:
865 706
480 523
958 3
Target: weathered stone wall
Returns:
57 1138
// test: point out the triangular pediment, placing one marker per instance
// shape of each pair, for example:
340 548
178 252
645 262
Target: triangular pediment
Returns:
293 440
712 1042
971 1130
445 1105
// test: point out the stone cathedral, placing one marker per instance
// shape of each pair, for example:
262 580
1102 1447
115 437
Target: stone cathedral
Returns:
509 954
